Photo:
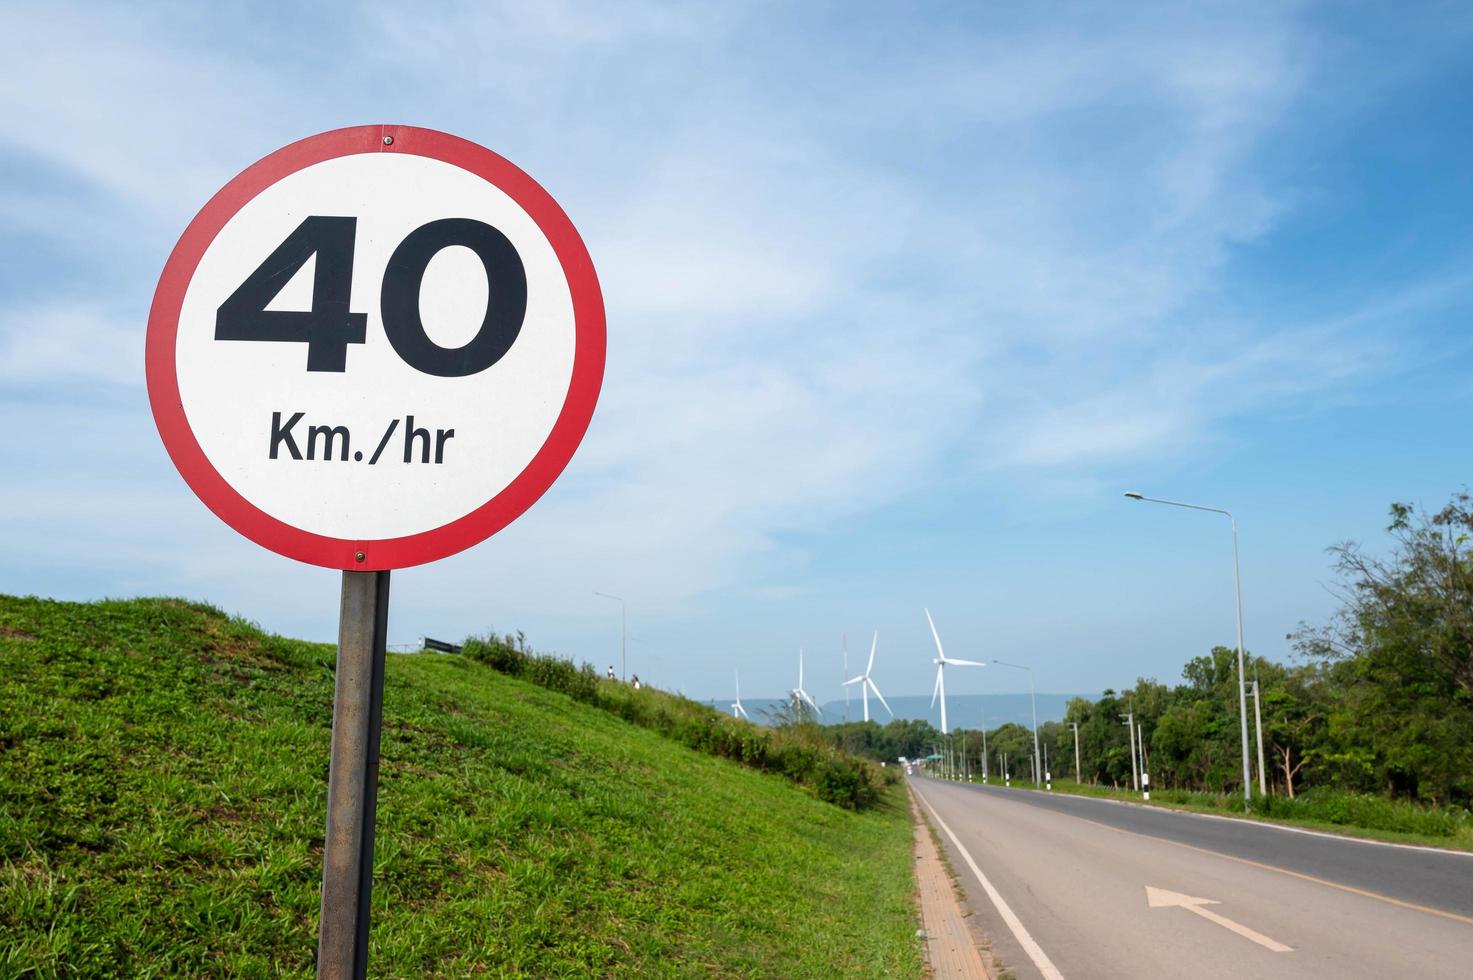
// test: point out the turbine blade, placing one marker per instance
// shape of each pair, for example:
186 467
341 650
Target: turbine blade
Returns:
854 680
937 686
872 644
874 688
812 703
965 663
936 636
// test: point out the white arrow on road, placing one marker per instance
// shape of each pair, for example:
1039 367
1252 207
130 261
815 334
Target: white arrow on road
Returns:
1158 898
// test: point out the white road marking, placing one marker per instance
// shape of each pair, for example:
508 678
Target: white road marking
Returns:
1351 889
1034 951
1245 821
1158 898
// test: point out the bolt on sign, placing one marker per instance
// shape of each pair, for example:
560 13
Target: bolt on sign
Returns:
372 349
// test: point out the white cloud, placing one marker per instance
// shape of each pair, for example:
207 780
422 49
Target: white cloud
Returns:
836 269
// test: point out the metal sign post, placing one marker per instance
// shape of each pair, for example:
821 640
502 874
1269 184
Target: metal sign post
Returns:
325 416
352 778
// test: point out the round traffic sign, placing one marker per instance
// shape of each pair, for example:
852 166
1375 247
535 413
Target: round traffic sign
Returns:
375 347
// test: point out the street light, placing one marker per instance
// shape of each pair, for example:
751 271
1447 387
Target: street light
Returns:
1238 597
1032 697
1129 723
623 675
1258 729
982 712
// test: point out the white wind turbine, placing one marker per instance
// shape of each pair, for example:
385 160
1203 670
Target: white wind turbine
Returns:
802 695
866 684
941 661
737 711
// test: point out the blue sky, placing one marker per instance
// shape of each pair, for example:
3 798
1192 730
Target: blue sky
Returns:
900 301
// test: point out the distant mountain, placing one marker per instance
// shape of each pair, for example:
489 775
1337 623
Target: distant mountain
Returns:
962 710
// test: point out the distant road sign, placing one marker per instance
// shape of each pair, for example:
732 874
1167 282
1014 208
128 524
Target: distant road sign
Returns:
375 347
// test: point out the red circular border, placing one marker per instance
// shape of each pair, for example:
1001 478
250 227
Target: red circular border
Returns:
414 549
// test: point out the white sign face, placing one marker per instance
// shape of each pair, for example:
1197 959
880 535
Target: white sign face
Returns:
382 355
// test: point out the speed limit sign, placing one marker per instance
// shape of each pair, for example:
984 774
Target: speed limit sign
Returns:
375 347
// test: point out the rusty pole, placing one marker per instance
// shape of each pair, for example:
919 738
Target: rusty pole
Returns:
352 779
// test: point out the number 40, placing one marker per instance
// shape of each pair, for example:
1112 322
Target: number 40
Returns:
329 327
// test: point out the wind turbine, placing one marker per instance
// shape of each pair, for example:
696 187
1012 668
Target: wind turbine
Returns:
736 706
866 684
941 661
802 695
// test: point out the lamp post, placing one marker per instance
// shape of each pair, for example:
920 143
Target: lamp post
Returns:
1135 779
844 638
1258 727
1078 776
984 747
1033 699
1238 598
623 674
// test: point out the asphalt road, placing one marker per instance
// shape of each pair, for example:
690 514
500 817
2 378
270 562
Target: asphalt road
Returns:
1077 887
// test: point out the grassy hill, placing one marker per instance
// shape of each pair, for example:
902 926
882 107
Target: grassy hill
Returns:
162 794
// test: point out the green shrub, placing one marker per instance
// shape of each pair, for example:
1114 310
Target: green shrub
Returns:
1339 807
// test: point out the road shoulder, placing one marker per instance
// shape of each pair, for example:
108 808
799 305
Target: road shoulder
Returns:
952 951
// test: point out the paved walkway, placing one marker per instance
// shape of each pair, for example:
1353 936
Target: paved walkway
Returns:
950 948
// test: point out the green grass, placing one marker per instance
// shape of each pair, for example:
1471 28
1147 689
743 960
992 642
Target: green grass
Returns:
802 752
1347 814
162 793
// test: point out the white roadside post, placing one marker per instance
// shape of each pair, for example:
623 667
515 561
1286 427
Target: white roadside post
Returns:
314 409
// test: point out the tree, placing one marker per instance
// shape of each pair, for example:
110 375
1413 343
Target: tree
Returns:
901 737
1295 715
1400 652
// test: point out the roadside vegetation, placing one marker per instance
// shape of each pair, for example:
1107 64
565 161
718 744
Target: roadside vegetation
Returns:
797 750
1371 727
162 795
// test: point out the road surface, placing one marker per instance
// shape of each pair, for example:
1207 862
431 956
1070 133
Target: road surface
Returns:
1083 888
